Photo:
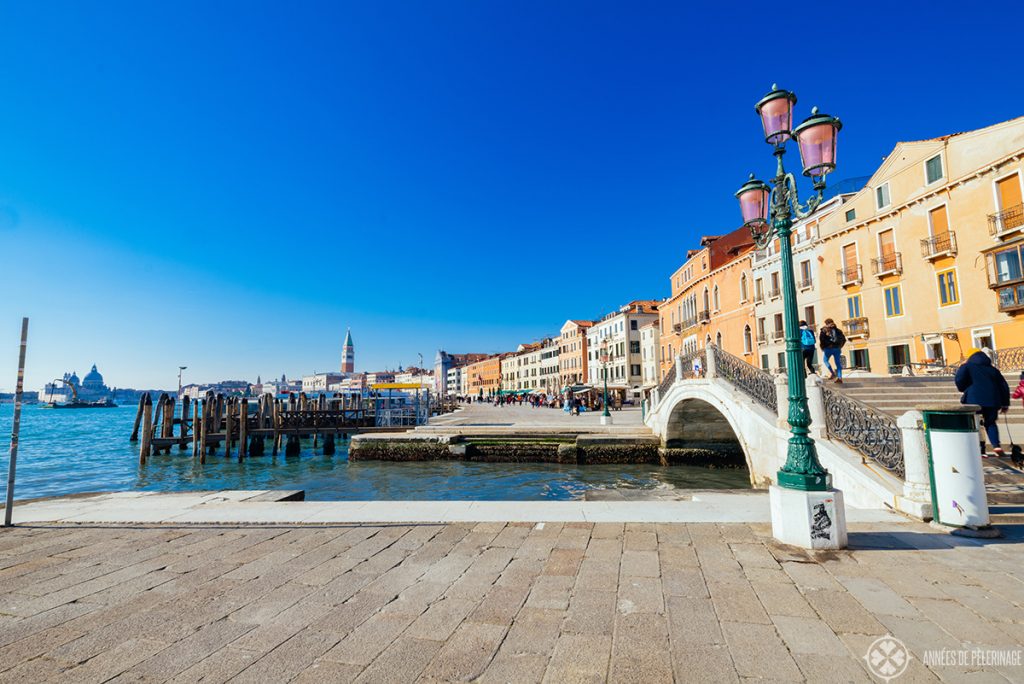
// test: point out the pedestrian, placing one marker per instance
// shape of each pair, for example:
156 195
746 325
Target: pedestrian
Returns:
1019 392
832 339
807 344
983 385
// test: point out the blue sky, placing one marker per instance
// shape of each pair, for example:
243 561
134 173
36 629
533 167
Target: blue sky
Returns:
229 185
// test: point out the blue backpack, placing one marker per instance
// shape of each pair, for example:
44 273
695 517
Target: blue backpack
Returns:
807 338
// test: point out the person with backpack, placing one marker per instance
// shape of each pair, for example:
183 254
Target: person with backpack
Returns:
983 385
807 344
832 339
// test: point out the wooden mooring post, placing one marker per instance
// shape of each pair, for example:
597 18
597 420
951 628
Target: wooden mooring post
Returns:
138 418
147 428
195 429
228 427
183 424
243 425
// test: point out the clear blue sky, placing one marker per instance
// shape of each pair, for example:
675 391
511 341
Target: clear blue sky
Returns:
228 185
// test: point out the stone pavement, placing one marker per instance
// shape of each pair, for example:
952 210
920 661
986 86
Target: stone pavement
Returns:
499 602
526 417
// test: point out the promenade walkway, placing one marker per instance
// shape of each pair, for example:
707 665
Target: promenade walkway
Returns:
501 602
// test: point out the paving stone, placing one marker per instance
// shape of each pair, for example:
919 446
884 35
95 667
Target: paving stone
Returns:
963 623
467 654
824 668
811 576
190 650
500 605
563 562
595 575
684 582
401 661
758 651
640 564
640 649
843 613
808 635
607 531
533 631
367 640
737 602
515 667
289 659
877 597
707 663
550 591
782 599
591 612
441 619
640 595
693 622
579 658
328 671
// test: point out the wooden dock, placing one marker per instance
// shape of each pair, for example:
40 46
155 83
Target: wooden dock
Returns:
242 425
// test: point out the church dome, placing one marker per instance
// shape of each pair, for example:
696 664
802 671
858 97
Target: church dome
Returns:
73 378
93 378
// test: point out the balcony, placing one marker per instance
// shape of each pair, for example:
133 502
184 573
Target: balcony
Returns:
759 298
1006 221
760 255
774 293
941 245
887 264
850 275
778 335
689 322
1011 298
805 283
762 338
677 327
856 327
704 316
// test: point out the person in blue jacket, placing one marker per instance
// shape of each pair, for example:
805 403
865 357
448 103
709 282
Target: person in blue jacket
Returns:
984 385
807 344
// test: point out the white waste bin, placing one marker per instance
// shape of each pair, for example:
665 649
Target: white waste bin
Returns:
954 466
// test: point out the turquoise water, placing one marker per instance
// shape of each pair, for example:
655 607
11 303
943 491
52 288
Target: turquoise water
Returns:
64 452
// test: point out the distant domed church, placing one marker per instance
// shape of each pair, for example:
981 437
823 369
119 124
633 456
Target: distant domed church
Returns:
90 388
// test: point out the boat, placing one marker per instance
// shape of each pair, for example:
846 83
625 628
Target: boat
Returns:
75 403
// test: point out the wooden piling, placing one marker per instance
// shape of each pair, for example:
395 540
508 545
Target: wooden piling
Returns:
243 424
276 418
147 429
183 425
329 444
196 429
228 427
138 418
204 426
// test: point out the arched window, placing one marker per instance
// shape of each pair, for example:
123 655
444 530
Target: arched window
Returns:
706 300
714 299
748 343
743 288
718 340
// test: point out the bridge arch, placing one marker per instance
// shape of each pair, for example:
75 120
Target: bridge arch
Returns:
702 422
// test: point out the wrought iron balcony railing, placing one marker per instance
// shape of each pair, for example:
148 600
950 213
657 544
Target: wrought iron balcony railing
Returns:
887 264
1006 221
774 293
805 283
850 275
704 316
759 298
856 327
943 244
688 323
777 335
762 338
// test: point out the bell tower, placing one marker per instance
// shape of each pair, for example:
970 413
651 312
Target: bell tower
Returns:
348 354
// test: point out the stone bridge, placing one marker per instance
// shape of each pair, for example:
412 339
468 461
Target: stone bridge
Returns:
878 461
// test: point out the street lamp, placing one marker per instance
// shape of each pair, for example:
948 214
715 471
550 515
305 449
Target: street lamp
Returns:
606 417
768 212
180 369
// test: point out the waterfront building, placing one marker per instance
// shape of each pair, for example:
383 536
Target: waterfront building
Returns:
650 340
348 354
231 388
769 332
926 260
444 362
520 370
483 377
677 315
415 376
548 372
572 353
453 381
320 382
621 330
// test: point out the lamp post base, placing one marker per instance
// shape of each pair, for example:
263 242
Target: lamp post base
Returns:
808 519
806 483
606 420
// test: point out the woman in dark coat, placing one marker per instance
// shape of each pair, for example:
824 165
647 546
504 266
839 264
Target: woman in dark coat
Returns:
984 385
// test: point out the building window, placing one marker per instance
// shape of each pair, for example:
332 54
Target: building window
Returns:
634 347
933 169
899 356
760 329
759 290
882 196
748 343
851 214
949 294
718 340
853 306
809 315
743 288
805 273
632 324
859 359
981 338
714 299
893 302
764 361
634 369
782 360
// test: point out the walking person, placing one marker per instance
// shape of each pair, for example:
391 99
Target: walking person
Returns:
832 339
983 385
807 344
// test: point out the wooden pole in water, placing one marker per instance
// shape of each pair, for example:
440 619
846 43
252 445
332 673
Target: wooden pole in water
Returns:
228 426
183 425
138 418
16 425
243 424
275 417
204 423
196 429
147 429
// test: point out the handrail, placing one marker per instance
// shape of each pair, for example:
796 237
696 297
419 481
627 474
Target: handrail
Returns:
872 433
754 382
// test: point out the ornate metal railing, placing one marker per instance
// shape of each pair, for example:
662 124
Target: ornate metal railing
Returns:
850 275
887 264
754 382
1011 359
868 431
687 363
669 378
938 245
1006 220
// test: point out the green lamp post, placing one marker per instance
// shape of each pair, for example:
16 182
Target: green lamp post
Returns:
768 212
604 368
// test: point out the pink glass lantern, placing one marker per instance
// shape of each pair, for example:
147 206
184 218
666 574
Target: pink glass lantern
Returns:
816 137
754 197
776 112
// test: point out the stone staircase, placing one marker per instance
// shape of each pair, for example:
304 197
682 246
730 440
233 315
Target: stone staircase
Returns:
896 395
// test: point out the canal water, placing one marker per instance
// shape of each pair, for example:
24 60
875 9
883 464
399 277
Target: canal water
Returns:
71 451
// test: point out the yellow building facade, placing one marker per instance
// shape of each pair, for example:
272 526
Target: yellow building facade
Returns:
925 262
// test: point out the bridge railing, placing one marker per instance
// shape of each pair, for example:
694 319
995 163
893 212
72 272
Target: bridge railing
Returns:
872 433
757 384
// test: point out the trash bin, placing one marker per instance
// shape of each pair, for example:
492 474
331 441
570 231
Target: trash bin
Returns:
954 466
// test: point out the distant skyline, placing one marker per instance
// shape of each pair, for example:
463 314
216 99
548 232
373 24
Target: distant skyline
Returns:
229 187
